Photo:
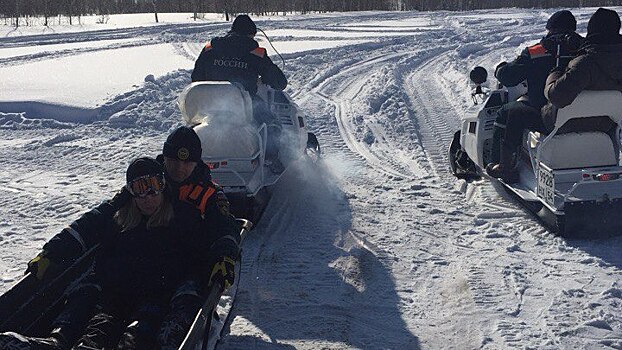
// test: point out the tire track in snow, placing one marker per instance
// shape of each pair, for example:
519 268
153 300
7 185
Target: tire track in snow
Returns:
340 90
498 290
437 117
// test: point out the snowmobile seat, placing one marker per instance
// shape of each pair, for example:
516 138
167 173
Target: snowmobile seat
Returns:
215 100
584 133
228 141
223 118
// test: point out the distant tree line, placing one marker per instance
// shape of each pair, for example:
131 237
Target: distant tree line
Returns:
22 11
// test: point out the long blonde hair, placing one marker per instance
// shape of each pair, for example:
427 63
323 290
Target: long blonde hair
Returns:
130 216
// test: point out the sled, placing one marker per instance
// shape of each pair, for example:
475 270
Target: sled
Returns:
30 306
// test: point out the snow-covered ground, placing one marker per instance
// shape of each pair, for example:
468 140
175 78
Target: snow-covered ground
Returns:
378 247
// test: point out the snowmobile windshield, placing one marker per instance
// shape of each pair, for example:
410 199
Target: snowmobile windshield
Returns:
146 185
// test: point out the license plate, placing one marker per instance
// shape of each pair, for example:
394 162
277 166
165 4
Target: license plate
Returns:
546 185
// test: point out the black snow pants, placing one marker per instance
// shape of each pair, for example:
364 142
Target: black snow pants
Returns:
512 120
126 326
183 309
80 306
263 114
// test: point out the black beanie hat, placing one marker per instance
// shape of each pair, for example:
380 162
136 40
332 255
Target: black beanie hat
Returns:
604 21
141 167
183 144
244 25
562 21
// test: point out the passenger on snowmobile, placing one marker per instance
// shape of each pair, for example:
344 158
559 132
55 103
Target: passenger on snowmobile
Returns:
216 240
191 183
136 270
237 58
533 65
598 65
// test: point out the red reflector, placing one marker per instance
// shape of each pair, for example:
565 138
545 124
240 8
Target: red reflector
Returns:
606 177
586 176
223 163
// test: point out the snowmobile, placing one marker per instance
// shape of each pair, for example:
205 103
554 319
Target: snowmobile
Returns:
31 305
571 178
234 145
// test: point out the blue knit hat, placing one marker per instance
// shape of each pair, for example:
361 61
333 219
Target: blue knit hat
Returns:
183 144
244 25
562 21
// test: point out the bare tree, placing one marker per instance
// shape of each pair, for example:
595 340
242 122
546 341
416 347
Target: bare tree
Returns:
155 9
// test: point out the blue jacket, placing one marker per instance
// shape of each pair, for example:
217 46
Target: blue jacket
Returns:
237 59
536 61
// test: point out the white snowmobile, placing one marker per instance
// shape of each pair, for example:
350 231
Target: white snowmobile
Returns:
570 178
234 146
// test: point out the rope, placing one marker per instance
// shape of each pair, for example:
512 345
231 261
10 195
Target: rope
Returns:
275 50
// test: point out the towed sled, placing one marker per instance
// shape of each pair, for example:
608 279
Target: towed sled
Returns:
571 178
234 144
31 305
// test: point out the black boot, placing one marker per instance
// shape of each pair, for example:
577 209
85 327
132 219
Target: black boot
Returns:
15 341
177 322
505 169
275 165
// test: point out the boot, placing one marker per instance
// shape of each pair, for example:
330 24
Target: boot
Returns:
15 341
505 170
178 321
275 165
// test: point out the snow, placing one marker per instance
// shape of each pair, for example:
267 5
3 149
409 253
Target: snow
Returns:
13 52
107 73
376 247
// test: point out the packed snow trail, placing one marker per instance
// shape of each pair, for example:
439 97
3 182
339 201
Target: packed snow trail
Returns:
375 247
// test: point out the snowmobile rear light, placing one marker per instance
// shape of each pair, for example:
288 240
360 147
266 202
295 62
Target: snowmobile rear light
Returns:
606 177
223 163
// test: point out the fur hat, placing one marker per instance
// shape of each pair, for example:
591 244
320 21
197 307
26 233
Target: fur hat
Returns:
244 25
183 144
562 21
604 21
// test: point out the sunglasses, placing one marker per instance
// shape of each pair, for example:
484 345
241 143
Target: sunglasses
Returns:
146 185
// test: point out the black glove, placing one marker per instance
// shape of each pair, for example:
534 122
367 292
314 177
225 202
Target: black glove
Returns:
222 202
223 270
39 265
120 199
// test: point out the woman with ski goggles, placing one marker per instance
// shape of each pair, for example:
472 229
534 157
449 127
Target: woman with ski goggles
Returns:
136 270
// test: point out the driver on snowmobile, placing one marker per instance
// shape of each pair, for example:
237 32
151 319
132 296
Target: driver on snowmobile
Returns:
534 64
237 58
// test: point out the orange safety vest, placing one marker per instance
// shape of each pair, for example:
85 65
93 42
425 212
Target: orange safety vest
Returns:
197 195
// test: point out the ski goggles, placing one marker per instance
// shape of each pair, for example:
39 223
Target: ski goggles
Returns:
147 185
